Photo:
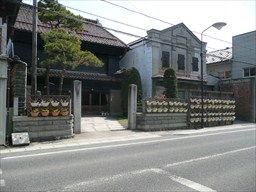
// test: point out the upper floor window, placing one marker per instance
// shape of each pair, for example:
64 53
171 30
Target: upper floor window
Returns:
165 59
194 64
224 74
181 62
248 72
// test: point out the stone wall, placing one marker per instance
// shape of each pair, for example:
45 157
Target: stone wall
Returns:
161 121
44 128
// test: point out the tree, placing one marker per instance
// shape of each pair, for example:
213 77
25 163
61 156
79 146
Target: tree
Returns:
61 45
170 83
131 76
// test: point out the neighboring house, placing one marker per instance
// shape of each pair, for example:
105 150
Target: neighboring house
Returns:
218 63
237 70
175 47
8 13
100 86
244 55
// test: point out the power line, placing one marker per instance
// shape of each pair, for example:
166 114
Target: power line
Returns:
118 31
142 28
140 13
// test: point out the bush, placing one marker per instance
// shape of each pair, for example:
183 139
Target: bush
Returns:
170 83
131 76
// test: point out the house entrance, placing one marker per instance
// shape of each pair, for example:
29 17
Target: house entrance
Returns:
95 102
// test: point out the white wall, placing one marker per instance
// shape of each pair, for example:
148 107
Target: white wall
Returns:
140 57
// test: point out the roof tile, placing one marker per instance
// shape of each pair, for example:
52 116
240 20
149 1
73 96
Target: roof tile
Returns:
93 31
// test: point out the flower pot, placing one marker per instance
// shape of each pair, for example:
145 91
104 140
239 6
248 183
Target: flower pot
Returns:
34 114
55 113
64 113
64 104
34 104
45 113
54 104
45 104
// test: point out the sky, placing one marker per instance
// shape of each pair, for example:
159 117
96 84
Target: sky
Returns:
196 15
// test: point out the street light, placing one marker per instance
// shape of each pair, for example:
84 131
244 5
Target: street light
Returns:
218 26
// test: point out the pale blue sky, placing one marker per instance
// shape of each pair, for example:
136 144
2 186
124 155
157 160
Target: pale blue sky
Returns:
196 15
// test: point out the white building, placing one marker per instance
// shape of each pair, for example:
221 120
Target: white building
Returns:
175 47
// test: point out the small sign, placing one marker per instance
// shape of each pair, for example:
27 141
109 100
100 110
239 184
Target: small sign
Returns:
20 138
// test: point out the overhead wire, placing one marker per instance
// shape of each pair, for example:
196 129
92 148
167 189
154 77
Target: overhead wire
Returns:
118 31
137 12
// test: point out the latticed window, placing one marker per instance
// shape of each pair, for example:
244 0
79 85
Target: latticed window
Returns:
194 64
181 62
165 59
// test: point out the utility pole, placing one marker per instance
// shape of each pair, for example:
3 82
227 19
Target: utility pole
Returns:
34 49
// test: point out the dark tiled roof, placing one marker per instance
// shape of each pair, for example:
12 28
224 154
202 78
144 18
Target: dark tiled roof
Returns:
93 31
78 75
219 55
179 76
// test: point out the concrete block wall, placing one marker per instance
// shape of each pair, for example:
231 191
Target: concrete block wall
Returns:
44 128
161 121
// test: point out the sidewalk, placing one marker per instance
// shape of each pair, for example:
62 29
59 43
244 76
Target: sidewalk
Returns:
105 136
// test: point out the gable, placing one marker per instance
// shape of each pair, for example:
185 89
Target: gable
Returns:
180 35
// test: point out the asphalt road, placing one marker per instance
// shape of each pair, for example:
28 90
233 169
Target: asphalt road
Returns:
217 161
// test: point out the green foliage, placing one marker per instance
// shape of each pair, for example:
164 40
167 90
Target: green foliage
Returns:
61 45
170 83
64 18
131 76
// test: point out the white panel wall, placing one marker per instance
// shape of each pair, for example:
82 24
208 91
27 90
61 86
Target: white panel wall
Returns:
140 57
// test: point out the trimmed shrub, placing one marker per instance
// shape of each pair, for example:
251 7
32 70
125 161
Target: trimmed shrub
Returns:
170 83
131 76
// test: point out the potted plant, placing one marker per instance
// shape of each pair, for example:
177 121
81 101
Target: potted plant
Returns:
149 109
64 111
165 109
55 103
45 112
55 112
34 103
45 103
64 103
34 112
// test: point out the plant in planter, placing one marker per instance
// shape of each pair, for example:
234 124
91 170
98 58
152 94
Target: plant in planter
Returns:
64 103
64 111
155 109
45 112
55 112
149 109
34 103
45 103
55 103
34 112
165 109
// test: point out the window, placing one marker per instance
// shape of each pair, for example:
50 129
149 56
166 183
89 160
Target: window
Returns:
224 74
248 72
181 62
194 64
252 71
165 59
227 74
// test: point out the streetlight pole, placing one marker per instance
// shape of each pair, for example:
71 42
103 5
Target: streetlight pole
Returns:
218 26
